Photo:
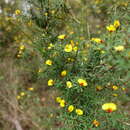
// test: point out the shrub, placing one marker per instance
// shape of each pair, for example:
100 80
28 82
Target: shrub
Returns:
89 67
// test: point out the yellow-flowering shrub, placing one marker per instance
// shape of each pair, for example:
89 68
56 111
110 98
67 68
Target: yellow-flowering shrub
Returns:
89 67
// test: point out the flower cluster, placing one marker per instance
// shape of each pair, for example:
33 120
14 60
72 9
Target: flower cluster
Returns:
70 108
97 40
22 94
71 47
109 107
21 50
112 28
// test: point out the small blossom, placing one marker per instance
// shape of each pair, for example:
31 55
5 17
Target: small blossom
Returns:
79 112
116 23
119 48
114 87
70 108
75 48
22 94
68 48
53 11
31 89
48 62
58 99
82 82
102 51
46 14
115 95
22 47
61 37
17 12
63 73
123 88
18 56
50 82
109 107
62 103
97 40
111 28
96 123
51 115
70 59
77 43
69 84
18 97
50 46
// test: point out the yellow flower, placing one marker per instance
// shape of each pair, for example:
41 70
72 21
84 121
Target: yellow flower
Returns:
48 62
119 48
75 48
22 94
114 87
63 73
18 97
18 56
79 112
68 48
124 89
116 23
115 95
70 59
97 40
62 103
77 43
53 11
109 107
111 28
31 89
96 123
69 84
17 12
22 47
58 99
70 108
51 115
102 51
50 46
61 37
46 14
50 82
82 82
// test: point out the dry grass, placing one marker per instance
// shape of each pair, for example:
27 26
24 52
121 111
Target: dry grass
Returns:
23 115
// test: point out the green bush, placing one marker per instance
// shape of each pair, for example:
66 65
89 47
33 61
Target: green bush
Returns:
82 50
90 71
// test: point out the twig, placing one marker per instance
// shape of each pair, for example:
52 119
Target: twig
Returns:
15 122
